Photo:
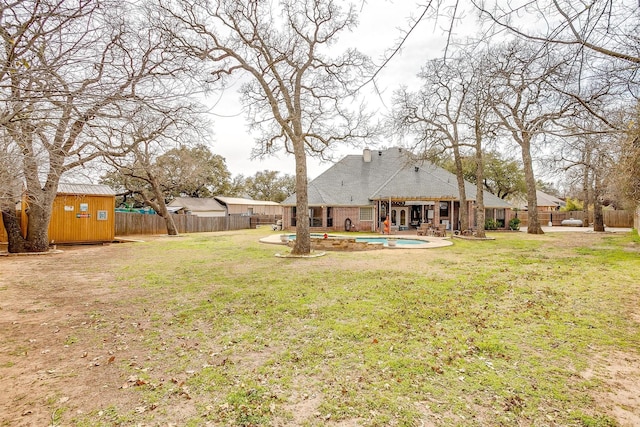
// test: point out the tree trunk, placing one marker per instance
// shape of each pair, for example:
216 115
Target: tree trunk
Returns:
586 184
598 217
464 209
39 217
159 205
172 230
302 245
17 243
479 179
532 200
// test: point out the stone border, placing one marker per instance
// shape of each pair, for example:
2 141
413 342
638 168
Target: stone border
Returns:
313 254
429 241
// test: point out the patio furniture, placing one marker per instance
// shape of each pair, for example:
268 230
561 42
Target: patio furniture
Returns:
424 228
440 231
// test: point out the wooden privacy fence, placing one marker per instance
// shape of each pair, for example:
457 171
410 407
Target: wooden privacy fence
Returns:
611 218
135 223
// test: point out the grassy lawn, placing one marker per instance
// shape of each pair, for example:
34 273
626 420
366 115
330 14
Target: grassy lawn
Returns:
215 330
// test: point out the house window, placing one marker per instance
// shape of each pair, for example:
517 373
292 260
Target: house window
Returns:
444 209
366 214
329 217
500 217
293 216
315 216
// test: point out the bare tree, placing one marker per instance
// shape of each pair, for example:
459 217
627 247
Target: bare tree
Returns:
296 95
148 135
608 28
69 74
479 112
589 159
527 105
627 173
435 114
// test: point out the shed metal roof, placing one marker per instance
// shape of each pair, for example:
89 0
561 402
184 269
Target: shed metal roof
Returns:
86 189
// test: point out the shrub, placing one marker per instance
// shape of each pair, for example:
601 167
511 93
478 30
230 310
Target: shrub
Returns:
490 224
514 224
572 205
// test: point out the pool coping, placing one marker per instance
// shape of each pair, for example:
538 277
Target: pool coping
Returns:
429 241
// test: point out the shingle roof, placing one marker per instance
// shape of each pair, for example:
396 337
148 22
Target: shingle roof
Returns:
544 199
241 201
196 204
391 173
87 189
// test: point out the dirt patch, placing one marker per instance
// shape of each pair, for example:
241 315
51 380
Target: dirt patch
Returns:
48 304
620 371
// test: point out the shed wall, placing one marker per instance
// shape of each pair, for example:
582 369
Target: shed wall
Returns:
3 232
82 218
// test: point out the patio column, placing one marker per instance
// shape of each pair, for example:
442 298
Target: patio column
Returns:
454 221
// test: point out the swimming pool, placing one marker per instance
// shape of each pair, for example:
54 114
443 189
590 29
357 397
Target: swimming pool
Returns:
400 241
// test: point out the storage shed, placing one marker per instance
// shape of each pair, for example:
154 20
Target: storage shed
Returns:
82 213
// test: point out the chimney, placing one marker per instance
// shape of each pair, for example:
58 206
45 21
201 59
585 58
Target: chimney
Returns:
366 155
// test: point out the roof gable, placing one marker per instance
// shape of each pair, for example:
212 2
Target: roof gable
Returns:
196 204
391 173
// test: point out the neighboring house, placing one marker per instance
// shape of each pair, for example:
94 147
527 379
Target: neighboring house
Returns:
359 191
546 202
81 213
239 206
197 206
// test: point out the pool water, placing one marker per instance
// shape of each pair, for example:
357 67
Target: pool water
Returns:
383 240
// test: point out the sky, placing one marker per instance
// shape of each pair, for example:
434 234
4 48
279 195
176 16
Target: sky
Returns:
381 26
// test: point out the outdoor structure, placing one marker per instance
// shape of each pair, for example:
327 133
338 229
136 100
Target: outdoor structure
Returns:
359 191
240 206
82 213
546 202
197 206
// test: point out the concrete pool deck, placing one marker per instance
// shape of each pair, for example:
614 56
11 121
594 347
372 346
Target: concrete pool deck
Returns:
429 241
